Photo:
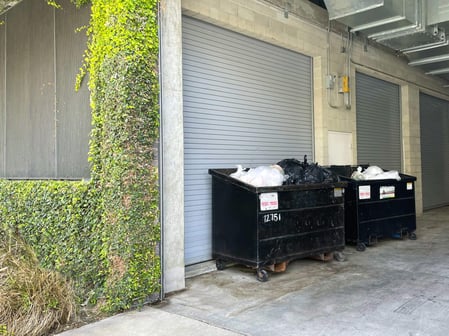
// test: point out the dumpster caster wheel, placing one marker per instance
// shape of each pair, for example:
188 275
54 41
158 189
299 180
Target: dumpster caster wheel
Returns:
339 256
360 247
412 236
262 275
221 265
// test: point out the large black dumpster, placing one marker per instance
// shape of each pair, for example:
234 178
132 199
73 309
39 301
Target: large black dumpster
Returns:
263 226
377 208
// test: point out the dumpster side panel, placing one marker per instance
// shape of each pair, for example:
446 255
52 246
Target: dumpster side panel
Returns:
264 226
378 208
390 210
308 198
300 221
234 222
352 224
278 249
308 222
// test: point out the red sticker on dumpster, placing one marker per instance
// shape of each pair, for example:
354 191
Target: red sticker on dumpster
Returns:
365 192
269 201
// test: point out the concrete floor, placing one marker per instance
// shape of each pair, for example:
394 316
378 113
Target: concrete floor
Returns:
397 287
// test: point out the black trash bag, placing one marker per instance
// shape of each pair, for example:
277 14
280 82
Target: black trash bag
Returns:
313 173
330 176
293 169
303 172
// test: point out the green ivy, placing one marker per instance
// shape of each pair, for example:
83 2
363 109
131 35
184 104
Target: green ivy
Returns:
122 65
53 3
61 221
3 330
104 234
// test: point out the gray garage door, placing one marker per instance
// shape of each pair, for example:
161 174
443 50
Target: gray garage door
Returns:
378 122
245 102
434 116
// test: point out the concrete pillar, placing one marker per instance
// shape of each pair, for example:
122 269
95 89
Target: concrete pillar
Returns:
172 146
411 140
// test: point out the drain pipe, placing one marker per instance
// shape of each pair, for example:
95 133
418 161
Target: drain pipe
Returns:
347 91
330 80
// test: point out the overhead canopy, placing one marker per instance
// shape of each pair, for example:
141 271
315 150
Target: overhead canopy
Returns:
418 29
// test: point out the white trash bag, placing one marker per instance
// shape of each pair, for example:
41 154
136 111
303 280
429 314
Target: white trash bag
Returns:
262 176
357 175
375 173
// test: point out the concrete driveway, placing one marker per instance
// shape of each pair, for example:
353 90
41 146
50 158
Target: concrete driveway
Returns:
397 287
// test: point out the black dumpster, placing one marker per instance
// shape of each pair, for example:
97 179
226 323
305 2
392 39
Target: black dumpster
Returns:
263 226
377 208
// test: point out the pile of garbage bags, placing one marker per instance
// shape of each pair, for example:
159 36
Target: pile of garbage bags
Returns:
285 172
374 173
297 172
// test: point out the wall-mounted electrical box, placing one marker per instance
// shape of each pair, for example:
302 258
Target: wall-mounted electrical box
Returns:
343 84
330 82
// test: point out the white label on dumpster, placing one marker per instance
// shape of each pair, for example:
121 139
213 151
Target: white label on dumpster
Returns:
365 192
386 192
338 192
269 201
409 185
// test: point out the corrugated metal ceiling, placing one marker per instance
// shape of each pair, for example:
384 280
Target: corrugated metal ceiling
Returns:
416 29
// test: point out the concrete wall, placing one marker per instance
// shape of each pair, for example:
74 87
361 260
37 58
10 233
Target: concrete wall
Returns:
304 30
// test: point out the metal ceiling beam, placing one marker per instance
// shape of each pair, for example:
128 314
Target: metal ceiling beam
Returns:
428 60
374 24
425 47
438 72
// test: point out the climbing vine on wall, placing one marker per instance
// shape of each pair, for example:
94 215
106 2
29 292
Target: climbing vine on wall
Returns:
105 233
122 65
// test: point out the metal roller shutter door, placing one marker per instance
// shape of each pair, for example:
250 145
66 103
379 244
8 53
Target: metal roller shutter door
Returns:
245 102
378 122
434 120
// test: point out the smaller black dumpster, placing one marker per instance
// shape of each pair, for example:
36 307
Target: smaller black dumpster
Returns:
377 208
264 226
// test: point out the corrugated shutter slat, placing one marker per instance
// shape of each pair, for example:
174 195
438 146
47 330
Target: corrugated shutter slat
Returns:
378 122
434 120
245 102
